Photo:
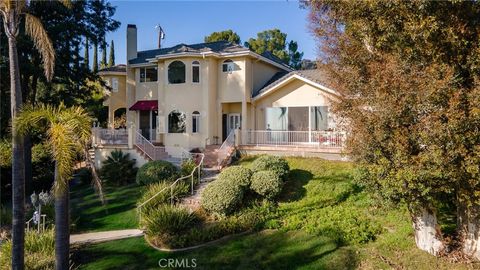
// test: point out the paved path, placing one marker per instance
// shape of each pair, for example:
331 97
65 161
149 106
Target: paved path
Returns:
97 237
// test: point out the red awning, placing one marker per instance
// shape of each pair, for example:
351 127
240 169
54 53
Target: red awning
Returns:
145 105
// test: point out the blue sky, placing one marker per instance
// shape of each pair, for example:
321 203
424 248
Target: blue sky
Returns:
190 21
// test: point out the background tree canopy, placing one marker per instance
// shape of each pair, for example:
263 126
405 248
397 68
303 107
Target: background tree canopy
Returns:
407 73
226 35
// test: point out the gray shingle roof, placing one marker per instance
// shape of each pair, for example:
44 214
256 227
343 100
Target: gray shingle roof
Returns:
117 68
216 47
314 75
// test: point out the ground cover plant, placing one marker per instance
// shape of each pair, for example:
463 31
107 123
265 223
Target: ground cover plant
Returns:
296 234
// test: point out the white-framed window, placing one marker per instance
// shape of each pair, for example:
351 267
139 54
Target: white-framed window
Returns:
115 84
148 74
176 72
227 66
196 72
195 122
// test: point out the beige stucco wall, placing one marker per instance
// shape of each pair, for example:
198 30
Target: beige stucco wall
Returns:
218 92
115 100
231 85
145 90
296 93
261 73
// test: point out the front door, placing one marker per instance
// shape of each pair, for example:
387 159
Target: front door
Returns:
144 126
233 122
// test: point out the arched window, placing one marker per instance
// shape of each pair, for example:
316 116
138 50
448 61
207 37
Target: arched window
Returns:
176 72
176 122
195 122
227 66
195 72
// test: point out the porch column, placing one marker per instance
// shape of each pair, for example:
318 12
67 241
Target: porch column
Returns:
111 117
244 124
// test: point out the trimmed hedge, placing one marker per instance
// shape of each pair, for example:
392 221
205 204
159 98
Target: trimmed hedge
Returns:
267 184
221 197
271 163
156 171
238 175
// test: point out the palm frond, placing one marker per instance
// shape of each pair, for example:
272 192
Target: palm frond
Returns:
66 3
34 28
63 144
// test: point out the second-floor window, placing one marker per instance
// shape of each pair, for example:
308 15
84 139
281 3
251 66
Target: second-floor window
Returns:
115 84
195 72
176 72
148 74
227 66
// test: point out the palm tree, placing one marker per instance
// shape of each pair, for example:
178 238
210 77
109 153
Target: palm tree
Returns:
68 133
12 13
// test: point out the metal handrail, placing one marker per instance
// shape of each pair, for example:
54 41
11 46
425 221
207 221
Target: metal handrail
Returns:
191 175
145 144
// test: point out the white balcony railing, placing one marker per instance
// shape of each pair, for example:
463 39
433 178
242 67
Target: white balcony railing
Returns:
319 139
103 136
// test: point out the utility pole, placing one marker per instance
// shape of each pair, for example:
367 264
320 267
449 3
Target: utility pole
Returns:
161 35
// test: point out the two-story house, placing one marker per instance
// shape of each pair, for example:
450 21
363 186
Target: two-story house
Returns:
198 96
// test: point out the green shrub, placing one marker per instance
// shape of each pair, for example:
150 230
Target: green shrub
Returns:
267 184
168 220
187 167
156 171
118 169
39 251
271 163
245 220
5 153
179 189
238 175
221 197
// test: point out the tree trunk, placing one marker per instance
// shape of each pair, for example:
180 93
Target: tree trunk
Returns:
62 226
18 166
468 223
428 236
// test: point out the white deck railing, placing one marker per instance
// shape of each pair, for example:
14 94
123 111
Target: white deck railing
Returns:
103 136
226 148
152 151
319 139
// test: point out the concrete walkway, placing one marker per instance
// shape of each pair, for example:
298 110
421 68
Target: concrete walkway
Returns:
97 237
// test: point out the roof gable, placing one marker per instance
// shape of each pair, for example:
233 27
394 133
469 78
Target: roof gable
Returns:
314 77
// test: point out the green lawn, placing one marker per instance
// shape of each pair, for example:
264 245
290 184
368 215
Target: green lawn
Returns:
323 221
88 213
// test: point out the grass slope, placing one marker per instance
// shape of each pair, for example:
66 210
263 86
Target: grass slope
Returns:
89 215
319 224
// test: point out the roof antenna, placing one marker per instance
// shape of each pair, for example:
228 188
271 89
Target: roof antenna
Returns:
161 35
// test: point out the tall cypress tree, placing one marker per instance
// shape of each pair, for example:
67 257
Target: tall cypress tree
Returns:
111 57
95 58
86 57
103 61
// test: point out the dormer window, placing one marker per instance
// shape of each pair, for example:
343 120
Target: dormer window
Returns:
227 66
176 72
148 74
195 72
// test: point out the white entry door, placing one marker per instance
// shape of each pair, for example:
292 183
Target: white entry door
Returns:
233 121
